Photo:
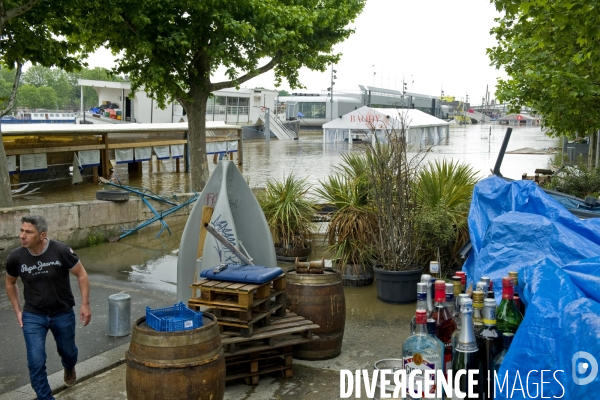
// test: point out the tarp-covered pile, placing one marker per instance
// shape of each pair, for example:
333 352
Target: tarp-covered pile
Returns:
515 226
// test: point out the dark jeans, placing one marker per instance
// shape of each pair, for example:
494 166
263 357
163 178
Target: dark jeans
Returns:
35 330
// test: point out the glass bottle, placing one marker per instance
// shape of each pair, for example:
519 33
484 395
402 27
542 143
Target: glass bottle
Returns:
421 304
508 315
445 325
434 269
464 356
420 351
457 286
463 280
450 297
432 331
477 310
482 286
489 341
461 299
491 294
426 278
507 339
520 305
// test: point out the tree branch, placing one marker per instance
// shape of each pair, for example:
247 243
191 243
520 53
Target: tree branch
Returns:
13 93
222 85
22 9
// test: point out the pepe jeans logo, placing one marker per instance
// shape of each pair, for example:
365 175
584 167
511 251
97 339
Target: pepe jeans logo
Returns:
39 267
580 367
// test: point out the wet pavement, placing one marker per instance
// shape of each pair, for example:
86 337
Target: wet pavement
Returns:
145 267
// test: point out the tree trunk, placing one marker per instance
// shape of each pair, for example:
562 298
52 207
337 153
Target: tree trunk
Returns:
5 196
196 112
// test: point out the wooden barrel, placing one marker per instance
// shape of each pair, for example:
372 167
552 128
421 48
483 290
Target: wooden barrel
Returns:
176 365
319 298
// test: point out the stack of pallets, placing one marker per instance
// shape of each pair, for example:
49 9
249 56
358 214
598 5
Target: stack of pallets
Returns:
257 333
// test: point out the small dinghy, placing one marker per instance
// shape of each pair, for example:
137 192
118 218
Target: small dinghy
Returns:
236 215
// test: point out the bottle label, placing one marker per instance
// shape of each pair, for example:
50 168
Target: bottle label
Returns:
417 361
470 347
421 296
449 297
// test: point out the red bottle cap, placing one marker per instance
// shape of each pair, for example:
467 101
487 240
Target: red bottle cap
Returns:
421 317
463 277
507 288
440 291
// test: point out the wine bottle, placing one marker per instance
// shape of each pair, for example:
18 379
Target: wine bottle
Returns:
464 356
432 331
507 339
477 311
421 304
463 280
489 341
445 325
507 315
457 287
520 305
450 297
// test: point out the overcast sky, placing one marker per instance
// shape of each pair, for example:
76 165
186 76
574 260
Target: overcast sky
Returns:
431 44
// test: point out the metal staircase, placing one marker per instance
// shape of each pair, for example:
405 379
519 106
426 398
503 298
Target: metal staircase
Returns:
280 130
479 117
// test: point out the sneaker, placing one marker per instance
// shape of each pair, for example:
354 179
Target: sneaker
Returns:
70 377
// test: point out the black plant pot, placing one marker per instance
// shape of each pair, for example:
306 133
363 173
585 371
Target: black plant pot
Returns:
289 255
397 287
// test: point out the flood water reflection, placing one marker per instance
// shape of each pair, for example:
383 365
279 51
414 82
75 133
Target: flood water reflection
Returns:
152 261
308 157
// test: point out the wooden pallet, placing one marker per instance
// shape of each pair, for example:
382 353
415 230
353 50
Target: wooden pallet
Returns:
250 366
238 306
284 331
268 350
235 295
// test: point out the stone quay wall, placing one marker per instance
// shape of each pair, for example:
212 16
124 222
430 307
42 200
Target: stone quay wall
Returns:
80 223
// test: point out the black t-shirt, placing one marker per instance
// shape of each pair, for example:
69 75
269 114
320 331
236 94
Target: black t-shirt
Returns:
47 288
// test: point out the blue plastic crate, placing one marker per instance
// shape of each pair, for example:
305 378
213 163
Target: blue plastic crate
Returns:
172 319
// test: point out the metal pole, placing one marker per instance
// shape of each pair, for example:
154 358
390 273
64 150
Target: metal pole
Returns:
331 98
496 170
226 243
82 110
267 126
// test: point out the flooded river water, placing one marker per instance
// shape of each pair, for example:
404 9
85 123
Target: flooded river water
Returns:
145 259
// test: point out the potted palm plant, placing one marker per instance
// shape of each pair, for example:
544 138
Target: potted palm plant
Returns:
353 223
443 191
392 174
289 211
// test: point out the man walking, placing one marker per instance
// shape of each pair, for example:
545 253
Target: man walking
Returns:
43 266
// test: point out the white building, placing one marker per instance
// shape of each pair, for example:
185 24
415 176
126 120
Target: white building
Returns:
245 107
364 122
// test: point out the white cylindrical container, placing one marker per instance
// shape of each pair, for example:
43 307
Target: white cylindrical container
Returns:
119 315
392 364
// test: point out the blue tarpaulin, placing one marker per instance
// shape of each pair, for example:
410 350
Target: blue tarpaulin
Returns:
515 226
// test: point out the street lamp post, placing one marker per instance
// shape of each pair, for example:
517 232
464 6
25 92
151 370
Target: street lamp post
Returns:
330 89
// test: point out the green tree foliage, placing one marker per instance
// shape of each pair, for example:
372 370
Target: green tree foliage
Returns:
172 47
33 30
551 52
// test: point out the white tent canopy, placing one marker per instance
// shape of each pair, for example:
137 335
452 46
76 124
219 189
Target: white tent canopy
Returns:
365 121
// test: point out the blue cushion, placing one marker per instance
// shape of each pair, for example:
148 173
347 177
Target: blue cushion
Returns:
243 273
